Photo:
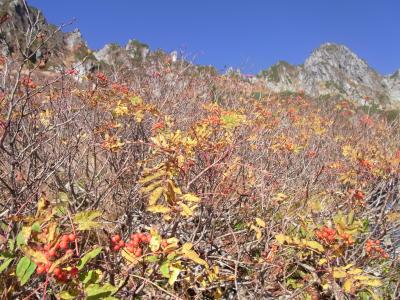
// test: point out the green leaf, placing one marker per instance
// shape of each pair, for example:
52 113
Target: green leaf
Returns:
5 264
24 235
36 227
164 269
25 269
151 259
85 220
92 276
88 256
96 291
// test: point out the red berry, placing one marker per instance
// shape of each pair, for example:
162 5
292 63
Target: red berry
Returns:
147 238
74 271
130 249
133 236
64 245
70 252
116 238
40 269
57 271
116 248
65 238
121 243
47 247
57 246
143 238
138 252
48 266
71 237
52 252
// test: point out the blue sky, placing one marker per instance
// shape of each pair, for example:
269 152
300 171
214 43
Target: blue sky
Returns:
250 35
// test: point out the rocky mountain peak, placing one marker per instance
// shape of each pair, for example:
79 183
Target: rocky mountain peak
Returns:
335 70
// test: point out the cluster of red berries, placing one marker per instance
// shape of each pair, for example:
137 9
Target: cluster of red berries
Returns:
52 252
326 234
120 88
374 249
101 77
134 246
347 238
26 81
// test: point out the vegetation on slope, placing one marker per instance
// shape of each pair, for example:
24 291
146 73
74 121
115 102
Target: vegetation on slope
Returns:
178 183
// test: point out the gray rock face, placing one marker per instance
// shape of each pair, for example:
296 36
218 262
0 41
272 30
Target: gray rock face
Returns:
334 69
113 54
393 84
73 40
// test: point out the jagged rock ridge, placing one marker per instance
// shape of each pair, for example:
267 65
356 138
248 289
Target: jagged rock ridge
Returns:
334 69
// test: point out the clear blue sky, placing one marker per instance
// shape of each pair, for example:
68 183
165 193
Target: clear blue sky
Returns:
247 34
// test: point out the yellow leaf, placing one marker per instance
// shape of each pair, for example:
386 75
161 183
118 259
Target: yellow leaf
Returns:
186 210
129 257
36 256
150 187
257 230
372 282
192 255
314 245
361 277
260 222
155 195
281 239
151 177
355 271
155 241
348 285
191 198
187 247
158 209
338 273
